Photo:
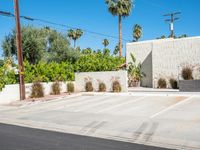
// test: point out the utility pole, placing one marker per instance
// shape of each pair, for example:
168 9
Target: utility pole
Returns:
19 51
171 21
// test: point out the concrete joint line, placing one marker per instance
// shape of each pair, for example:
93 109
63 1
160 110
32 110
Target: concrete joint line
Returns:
171 107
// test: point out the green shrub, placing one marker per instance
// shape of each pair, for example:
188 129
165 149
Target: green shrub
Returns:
70 87
187 73
49 71
2 81
56 88
116 86
173 83
102 87
37 90
89 86
162 84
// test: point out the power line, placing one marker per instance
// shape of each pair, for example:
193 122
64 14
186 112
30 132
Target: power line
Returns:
8 14
171 21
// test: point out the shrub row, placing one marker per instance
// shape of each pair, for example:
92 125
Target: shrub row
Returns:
162 83
116 87
187 74
38 89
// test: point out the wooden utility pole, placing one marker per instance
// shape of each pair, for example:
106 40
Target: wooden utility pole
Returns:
171 21
19 52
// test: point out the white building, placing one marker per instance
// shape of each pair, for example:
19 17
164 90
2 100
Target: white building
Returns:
165 58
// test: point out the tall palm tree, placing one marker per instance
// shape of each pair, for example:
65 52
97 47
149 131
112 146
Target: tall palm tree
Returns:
120 8
75 35
116 50
105 43
137 32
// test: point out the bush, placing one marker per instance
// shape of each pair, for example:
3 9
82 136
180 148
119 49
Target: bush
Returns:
162 84
173 83
56 88
37 90
102 87
70 87
187 73
116 86
89 86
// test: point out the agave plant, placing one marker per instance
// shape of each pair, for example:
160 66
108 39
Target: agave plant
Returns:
134 71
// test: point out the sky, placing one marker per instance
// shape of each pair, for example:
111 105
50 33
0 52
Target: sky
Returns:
93 15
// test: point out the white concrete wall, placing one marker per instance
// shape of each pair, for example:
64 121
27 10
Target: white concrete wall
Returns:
11 92
96 77
143 54
168 57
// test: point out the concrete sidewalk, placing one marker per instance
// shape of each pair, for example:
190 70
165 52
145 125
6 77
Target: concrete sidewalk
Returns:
163 121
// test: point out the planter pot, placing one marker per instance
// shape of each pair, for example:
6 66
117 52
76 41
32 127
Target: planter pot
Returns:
189 85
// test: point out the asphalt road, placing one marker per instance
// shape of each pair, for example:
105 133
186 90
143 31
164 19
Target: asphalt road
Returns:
21 138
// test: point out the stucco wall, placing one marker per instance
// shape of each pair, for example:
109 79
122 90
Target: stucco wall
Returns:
168 57
11 92
143 54
96 77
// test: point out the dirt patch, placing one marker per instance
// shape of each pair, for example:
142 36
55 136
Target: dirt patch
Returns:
180 98
36 100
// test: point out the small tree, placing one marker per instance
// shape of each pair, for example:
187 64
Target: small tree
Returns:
134 72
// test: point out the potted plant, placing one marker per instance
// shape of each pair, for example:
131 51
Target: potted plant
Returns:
134 73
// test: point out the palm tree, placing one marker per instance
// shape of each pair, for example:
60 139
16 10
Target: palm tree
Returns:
120 8
75 35
137 32
105 43
116 50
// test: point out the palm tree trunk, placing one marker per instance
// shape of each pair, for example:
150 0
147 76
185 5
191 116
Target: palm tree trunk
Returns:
120 36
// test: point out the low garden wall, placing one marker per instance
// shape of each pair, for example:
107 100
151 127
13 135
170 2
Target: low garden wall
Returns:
189 85
107 78
11 92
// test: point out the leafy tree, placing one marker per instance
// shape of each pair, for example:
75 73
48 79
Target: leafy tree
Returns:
1 63
33 46
120 8
162 37
105 43
38 44
183 36
106 52
2 82
75 35
87 51
137 32
95 62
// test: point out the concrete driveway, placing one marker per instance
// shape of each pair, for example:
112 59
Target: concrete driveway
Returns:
164 121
